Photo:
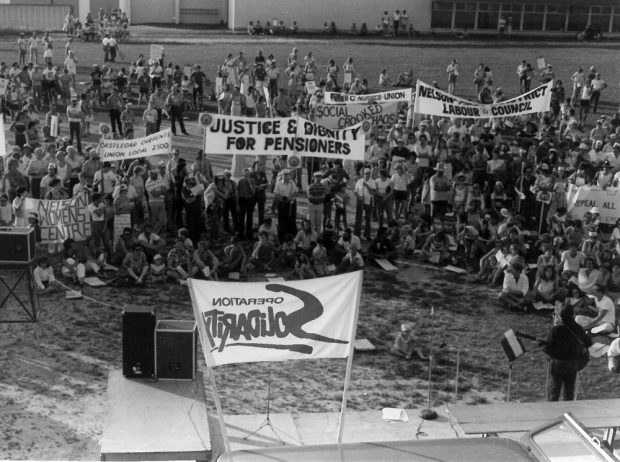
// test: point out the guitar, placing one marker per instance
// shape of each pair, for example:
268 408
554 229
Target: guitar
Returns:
522 334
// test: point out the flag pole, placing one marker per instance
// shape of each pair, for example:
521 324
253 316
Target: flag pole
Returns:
210 363
347 376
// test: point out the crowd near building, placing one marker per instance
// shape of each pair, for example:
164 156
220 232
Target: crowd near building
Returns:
488 196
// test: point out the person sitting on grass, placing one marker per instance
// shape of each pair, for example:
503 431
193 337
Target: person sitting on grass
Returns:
382 247
404 343
303 267
157 270
263 254
515 287
352 261
205 261
235 259
407 244
319 258
136 265
44 275
546 285
178 262
123 245
151 243
436 249
605 320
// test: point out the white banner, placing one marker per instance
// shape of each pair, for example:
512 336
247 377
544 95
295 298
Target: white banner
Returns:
257 321
54 126
346 115
582 199
280 136
401 96
435 102
156 52
152 145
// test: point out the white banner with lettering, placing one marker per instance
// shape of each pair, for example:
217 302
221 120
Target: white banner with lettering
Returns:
280 136
582 199
432 101
257 321
345 115
156 144
399 96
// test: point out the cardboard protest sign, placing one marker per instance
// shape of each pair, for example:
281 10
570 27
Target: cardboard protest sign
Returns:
402 95
60 220
156 144
582 199
432 101
281 136
346 115
157 52
265 321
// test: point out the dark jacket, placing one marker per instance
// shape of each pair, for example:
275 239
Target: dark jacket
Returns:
563 343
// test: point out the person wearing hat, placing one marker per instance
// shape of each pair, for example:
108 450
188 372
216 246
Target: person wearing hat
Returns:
52 173
440 191
106 179
404 346
285 205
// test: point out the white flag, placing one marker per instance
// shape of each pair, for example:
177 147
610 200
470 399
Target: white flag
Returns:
256 321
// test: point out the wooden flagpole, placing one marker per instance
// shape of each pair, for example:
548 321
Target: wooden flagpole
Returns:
209 359
347 376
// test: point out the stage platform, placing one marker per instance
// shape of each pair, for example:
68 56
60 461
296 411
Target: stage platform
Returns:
155 420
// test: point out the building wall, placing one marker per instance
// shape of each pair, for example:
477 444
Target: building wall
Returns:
32 17
203 11
310 15
107 5
152 11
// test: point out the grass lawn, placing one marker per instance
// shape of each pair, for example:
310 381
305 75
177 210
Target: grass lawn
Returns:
52 392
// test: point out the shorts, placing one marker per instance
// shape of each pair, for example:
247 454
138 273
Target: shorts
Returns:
400 195
585 103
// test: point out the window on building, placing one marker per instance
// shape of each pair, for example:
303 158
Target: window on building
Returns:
556 17
512 13
599 18
441 17
465 15
578 17
533 17
488 15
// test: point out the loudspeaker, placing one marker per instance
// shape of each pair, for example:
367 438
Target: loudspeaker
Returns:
175 350
138 341
18 245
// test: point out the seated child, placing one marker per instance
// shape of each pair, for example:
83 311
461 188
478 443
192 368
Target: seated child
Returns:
157 270
403 345
44 275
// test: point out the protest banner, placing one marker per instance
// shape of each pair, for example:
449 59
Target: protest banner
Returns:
4 84
157 52
402 96
60 220
264 321
540 63
432 101
581 199
156 144
346 115
121 222
280 136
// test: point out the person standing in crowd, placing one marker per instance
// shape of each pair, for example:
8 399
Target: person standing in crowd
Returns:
261 183
115 106
317 192
453 72
286 205
246 191
33 45
47 48
74 116
150 117
157 102
174 104
21 50
565 342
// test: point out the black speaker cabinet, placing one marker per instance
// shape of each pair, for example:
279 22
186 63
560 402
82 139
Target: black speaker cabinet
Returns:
138 341
175 350
17 245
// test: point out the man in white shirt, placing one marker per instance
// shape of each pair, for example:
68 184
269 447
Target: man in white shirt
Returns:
364 191
598 85
106 179
516 286
453 72
605 320
156 189
105 45
151 243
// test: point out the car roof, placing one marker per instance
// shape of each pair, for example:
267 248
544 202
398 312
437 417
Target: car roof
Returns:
446 450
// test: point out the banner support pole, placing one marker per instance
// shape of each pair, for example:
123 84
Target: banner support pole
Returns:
347 376
209 359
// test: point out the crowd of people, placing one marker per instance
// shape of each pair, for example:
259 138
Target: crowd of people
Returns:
488 196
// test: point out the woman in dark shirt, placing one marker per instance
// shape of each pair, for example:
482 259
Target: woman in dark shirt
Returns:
564 344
